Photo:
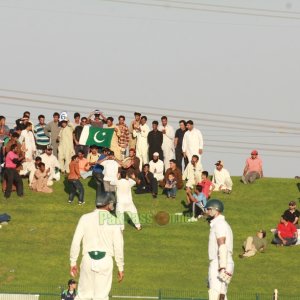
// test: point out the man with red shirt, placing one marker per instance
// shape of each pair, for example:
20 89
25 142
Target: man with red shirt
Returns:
207 185
253 168
12 161
286 233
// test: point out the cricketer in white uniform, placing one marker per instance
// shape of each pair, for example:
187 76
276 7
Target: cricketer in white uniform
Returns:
220 248
124 200
101 238
192 143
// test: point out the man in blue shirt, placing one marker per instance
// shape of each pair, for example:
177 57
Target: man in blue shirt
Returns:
70 293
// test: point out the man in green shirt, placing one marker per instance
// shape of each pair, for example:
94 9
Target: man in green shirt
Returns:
253 244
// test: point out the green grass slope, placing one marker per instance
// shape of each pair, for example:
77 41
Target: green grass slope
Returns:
34 247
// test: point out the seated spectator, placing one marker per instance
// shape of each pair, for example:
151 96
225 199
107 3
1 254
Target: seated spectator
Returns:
292 214
253 168
75 186
33 167
51 162
157 167
286 234
192 172
91 159
198 200
207 185
131 164
83 165
254 244
221 178
170 187
40 179
177 173
146 182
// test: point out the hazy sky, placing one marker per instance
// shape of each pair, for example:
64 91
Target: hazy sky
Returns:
219 68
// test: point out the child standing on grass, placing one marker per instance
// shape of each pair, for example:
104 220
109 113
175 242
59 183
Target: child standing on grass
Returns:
170 186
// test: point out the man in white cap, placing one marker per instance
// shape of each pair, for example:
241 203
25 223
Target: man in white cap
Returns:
220 248
157 167
102 238
221 178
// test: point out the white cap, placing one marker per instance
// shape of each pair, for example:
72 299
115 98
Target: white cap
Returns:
155 154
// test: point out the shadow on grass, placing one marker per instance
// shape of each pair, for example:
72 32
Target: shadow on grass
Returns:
66 185
298 186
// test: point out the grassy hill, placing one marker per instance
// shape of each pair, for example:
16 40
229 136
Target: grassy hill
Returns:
34 247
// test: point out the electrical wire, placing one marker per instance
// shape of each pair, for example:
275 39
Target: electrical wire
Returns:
204 9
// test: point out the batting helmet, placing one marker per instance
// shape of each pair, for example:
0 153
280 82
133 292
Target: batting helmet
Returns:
216 204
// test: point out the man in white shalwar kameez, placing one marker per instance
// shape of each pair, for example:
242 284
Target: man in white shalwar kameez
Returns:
51 162
27 141
168 141
65 147
193 172
221 178
141 134
192 143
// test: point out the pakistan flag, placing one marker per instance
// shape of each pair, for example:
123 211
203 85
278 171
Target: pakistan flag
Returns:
96 136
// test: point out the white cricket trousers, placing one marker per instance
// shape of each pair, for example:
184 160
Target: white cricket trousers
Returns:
95 285
216 286
131 210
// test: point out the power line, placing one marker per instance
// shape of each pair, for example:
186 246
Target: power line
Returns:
230 6
204 9
146 106
176 117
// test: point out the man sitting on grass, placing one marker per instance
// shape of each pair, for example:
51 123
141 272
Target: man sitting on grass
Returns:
254 244
286 234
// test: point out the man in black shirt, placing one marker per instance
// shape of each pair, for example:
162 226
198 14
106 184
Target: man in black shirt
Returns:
155 140
292 214
146 182
178 144
76 137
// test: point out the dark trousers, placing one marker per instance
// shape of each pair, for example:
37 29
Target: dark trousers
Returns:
12 176
76 188
179 157
151 187
99 183
289 241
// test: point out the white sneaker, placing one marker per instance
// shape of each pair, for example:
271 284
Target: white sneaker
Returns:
200 216
193 219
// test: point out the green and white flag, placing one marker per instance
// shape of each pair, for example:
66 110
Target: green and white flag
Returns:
96 136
